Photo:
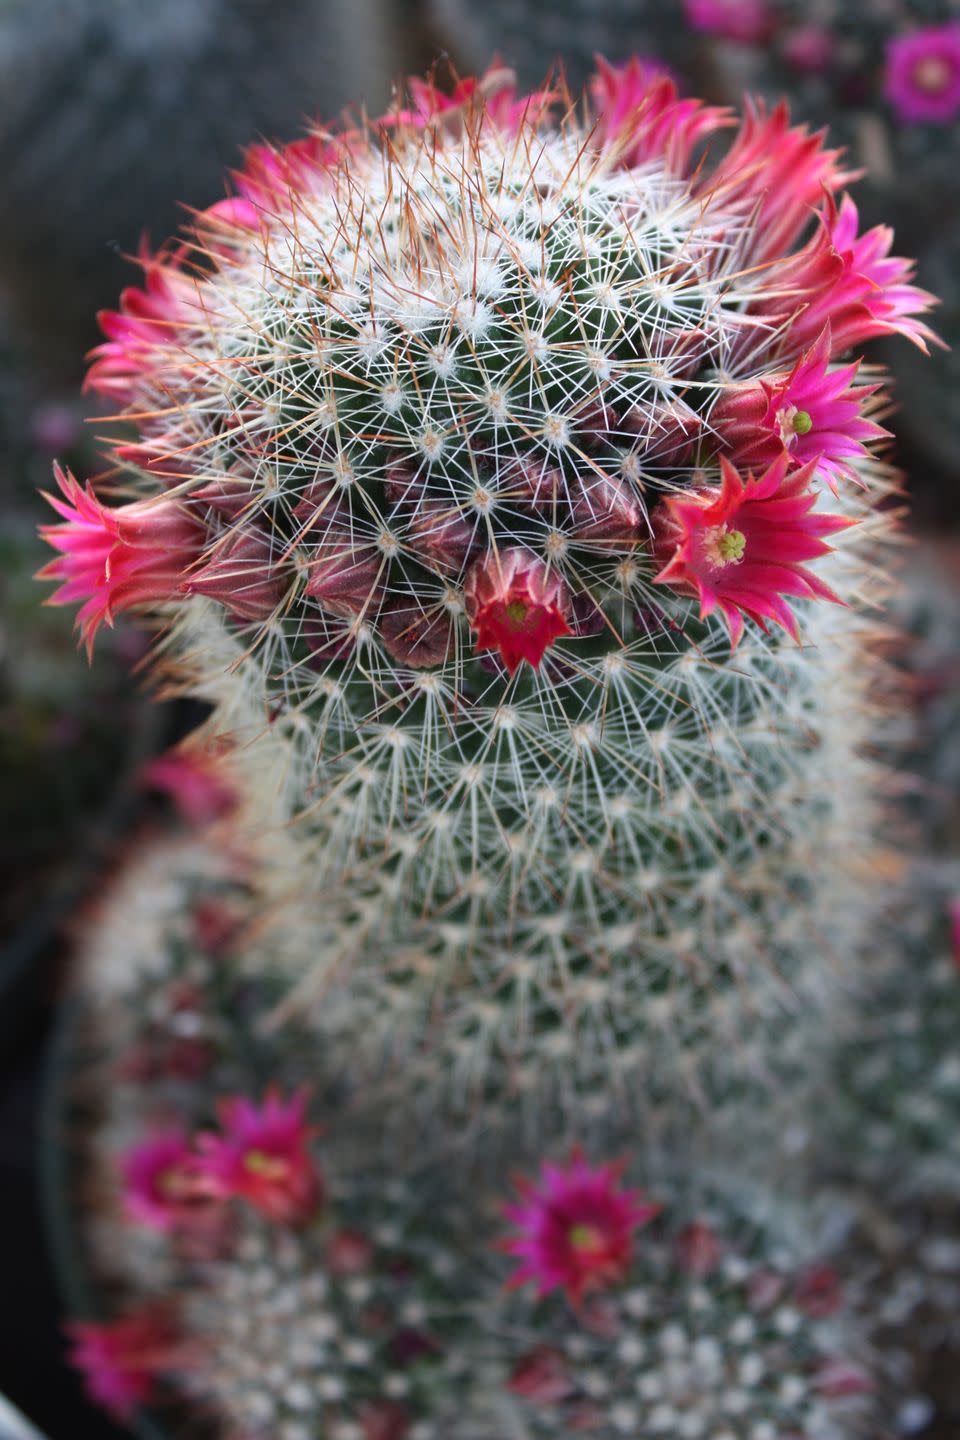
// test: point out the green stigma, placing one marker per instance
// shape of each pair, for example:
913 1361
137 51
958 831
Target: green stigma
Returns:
516 612
802 423
584 1237
731 545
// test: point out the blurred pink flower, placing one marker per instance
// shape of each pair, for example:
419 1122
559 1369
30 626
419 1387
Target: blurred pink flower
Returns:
122 1360
748 21
575 1228
262 1156
923 74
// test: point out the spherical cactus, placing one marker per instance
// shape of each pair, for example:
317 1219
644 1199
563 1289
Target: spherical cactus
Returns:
497 470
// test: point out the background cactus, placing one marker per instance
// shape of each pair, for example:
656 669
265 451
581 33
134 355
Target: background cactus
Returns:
382 1310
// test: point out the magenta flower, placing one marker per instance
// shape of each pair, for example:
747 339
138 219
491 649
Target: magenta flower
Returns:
747 21
114 559
853 284
576 1228
122 1361
496 87
811 414
809 48
923 74
263 1157
192 778
149 321
640 116
774 175
741 549
161 1179
516 605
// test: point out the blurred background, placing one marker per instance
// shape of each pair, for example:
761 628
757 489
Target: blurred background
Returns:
113 115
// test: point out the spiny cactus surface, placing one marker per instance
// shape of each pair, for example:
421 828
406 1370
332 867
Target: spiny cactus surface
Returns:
487 460
278 1271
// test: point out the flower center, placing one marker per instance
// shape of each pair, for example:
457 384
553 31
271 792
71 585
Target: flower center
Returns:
586 1239
516 611
268 1167
932 74
793 422
723 546
171 1183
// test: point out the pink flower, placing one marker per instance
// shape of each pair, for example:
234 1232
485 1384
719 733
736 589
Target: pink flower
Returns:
160 1180
263 1158
852 283
145 331
190 776
809 48
923 74
811 414
516 605
114 559
576 1229
640 117
272 177
748 21
741 548
773 175
495 91
121 1361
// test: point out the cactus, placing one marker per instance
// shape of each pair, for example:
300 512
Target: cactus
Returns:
399 1300
501 478
481 453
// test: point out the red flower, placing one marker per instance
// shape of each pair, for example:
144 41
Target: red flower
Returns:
263 1158
113 559
742 548
516 605
811 414
121 1361
576 1229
